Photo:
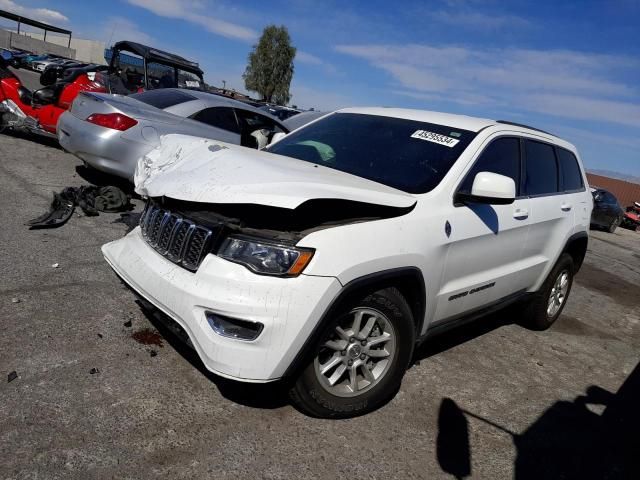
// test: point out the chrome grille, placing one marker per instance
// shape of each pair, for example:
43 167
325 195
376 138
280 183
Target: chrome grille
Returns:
175 237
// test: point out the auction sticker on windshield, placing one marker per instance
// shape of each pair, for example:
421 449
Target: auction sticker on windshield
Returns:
435 138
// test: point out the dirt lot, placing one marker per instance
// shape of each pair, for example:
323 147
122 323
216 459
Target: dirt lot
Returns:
492 399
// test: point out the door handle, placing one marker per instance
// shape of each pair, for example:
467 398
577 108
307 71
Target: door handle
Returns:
565 207
521 213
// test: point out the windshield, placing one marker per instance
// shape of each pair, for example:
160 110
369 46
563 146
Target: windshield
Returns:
405 154
188 80
160 76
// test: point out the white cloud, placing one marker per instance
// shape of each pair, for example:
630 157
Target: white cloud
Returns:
480 21
326 101
310 59
580 135
120 28
42 14
583 108
194 11
558 82
306 57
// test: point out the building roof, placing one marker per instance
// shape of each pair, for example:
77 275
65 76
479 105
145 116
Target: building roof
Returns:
33 23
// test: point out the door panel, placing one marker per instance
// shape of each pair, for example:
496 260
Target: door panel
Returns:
484 253
484 258
552 212
551 225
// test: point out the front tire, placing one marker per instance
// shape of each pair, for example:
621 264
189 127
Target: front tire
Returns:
360 359
547 304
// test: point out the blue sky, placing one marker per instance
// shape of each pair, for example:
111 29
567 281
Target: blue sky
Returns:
572 68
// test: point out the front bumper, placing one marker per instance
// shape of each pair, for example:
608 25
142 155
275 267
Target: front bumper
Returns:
289 308
101 148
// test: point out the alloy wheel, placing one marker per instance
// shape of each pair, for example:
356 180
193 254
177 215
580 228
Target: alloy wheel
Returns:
357 353
558 293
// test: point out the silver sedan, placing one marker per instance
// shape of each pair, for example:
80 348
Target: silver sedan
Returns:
111 132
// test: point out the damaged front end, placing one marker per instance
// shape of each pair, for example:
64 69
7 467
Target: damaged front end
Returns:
222 247
185 232
247 206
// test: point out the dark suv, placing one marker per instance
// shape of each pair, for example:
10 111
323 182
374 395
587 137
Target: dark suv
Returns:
607 212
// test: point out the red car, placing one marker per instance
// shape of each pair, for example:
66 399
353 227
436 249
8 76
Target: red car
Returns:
631 217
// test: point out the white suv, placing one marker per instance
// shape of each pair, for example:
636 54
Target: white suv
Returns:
326 258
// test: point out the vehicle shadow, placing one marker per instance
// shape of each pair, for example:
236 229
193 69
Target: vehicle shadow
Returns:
275 394
130 219
462 333
33 137
570 440
255 395
101 179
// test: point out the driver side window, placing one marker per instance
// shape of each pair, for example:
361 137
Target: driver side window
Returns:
220 117
502 156
251 125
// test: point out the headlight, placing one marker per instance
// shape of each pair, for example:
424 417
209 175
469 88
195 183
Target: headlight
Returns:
265 258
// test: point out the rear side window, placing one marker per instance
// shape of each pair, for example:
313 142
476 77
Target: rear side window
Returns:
501 156
163 98
610 199
541 170
221 117
570 170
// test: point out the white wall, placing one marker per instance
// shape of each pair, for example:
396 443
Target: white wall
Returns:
9 39
90 51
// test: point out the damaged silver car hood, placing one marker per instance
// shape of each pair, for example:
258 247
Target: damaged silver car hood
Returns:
201 170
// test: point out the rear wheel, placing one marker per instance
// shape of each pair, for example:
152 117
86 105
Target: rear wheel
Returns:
360 359
547 304
614 224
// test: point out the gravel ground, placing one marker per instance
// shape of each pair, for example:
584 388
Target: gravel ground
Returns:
491 400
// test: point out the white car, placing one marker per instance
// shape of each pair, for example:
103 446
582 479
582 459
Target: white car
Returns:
329 256
41 65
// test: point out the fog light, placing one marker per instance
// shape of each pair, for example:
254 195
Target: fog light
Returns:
234 328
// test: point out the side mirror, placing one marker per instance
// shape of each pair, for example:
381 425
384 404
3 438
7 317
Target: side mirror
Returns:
489 188
276 137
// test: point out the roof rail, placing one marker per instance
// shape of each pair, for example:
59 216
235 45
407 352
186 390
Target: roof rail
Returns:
506 122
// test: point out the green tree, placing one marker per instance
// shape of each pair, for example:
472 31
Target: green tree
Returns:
270 65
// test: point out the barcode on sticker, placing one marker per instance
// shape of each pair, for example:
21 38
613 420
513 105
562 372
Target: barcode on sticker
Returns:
435 138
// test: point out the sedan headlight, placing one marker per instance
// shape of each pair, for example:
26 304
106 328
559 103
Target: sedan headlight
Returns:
264 257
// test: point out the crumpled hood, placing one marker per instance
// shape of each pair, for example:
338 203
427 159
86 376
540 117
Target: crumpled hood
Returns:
202 170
